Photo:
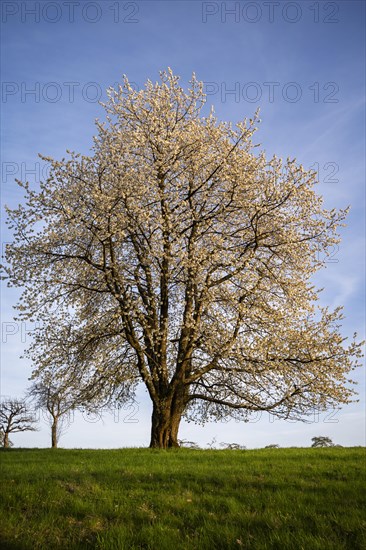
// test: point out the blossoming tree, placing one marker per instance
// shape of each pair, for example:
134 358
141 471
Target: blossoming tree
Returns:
185 259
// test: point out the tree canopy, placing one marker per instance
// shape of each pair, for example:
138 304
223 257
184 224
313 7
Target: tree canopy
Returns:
179 256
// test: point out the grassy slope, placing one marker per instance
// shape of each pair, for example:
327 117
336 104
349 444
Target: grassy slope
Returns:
183 499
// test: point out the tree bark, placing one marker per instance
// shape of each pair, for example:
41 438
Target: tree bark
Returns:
54 433
165 421
6 440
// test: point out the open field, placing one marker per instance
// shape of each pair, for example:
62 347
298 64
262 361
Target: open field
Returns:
183 499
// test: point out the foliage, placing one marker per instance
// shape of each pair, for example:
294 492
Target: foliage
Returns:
272 446
183 499
178 256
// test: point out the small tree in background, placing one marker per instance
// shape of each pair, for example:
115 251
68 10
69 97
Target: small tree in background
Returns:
64 381
272 446
58 400
232 446
15 416
322 441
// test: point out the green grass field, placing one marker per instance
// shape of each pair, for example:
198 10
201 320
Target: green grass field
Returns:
183 499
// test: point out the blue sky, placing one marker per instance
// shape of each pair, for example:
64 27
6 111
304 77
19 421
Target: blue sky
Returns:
301 62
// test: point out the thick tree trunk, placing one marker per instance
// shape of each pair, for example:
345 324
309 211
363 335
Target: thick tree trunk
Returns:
54 433
6 440
165 422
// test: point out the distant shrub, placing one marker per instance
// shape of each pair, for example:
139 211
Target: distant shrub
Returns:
272 446
232 446
322 441
188 444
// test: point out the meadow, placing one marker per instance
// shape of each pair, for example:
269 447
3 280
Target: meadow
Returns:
183 499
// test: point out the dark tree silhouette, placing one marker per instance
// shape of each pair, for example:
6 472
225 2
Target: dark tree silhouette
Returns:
15 416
